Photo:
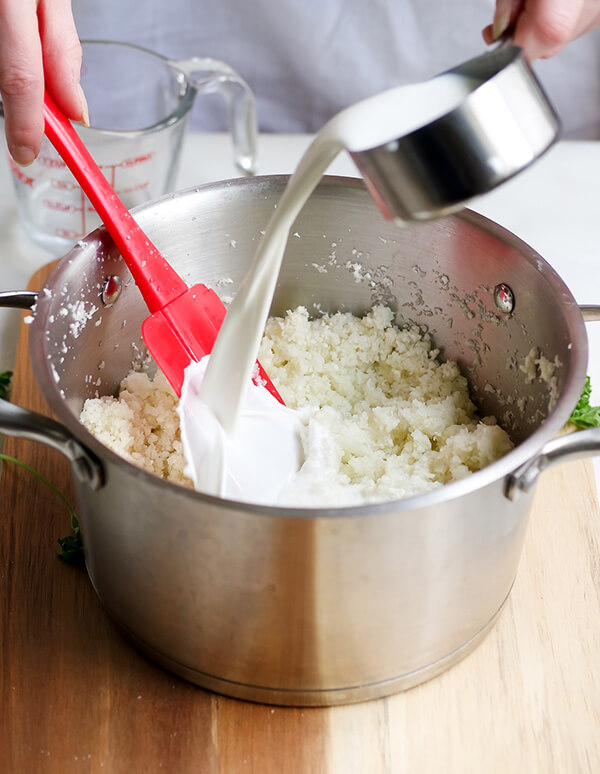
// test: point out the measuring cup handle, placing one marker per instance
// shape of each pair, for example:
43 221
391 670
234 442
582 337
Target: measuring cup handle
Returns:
207 75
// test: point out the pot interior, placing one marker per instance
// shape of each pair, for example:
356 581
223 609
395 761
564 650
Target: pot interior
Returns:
453 277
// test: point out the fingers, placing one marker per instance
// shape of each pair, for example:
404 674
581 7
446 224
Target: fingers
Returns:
507 12
505 17
21 78
546 26
61 52
38 46
541 27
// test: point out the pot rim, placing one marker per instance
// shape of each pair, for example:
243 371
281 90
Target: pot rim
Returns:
522 453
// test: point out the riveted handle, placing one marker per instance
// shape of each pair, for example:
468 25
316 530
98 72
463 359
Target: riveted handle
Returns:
18 299
566 448
37 427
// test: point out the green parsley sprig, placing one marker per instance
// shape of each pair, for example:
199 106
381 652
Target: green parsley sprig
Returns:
5 378
584 414
71 547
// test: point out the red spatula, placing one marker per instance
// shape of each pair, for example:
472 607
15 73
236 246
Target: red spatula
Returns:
184 321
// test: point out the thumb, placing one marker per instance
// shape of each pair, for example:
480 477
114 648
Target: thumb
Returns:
505 17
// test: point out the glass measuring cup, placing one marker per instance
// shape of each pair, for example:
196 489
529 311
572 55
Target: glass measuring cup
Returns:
139 105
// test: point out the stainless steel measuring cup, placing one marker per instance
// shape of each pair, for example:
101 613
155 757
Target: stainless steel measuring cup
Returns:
140 104
503 124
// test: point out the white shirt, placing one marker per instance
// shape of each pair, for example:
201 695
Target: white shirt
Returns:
307 59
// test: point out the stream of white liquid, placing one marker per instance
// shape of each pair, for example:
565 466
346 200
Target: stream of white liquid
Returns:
239 445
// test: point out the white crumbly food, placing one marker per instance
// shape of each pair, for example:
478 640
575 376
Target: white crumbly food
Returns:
141 424
388 418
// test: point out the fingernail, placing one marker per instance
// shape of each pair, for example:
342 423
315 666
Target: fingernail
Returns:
23 155
502 16
487 35
85 115
500 25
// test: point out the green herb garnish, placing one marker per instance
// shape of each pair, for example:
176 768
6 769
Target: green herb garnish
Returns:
71 547
585 415
5 378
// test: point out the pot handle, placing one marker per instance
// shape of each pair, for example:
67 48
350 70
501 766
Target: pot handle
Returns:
18 299
37 427
566 448
590 313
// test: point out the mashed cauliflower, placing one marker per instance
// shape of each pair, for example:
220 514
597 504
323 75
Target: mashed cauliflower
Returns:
388 418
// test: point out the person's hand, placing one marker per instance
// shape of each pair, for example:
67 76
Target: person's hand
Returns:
542 27
38 46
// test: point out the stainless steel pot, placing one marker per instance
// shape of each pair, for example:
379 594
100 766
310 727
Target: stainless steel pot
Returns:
313 607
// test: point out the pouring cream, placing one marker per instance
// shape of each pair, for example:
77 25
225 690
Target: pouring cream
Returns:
256 461
237 443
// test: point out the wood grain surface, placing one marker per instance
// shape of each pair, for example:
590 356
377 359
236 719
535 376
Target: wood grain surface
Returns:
76 697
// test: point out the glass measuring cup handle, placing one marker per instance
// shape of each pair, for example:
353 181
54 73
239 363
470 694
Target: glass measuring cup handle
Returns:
207 75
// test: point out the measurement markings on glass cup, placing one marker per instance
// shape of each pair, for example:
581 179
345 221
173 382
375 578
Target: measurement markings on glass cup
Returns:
75 201
110 172
20 173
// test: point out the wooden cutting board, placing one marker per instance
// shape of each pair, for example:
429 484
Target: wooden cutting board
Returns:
76 697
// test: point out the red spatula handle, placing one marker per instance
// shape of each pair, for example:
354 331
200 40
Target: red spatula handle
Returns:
157 281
